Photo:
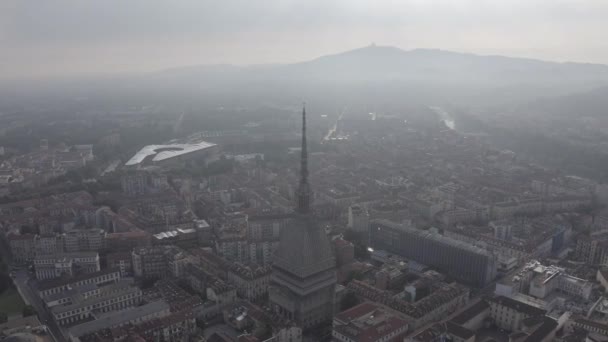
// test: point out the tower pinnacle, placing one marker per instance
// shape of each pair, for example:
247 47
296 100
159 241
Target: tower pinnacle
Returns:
304 192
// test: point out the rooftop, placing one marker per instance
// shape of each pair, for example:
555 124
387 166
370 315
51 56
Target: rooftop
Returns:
518 306
368 322
434 332
443 293
108 292
471 312
431 235
124 317
164 152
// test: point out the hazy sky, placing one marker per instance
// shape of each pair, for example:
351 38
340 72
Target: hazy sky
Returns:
59 37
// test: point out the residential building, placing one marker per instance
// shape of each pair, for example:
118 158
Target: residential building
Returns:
368 322
134 184
49 266
53 286
121 261
113 297
509 313
49 244
158 262
540 281
23 247
177 326
127 241
81 240
443 300
131 315
445 331
251 281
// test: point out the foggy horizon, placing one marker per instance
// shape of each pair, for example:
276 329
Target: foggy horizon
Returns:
64 38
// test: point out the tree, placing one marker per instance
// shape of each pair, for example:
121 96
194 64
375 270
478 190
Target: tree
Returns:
29 310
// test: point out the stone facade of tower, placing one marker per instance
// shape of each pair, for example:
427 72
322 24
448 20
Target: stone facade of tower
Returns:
302 285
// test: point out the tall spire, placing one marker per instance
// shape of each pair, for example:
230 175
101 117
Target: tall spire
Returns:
304 191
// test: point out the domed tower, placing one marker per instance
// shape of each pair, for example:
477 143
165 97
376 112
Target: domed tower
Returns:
303 279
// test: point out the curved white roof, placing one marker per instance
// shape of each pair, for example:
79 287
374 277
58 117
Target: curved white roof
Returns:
163 152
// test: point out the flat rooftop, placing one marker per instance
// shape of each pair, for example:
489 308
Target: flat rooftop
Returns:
120 318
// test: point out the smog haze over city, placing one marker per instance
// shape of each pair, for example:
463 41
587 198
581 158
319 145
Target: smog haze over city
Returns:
411 171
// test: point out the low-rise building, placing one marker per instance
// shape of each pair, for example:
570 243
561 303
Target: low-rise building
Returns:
112 297
251 281
53 286
176 326
23 247
57 265
81 240
443 300
509 313
540 281
49 244
445 331
591 326
127 241
158 262
368 322
132 315
221 293
121 261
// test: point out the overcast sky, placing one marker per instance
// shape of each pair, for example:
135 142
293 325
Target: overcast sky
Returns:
63 37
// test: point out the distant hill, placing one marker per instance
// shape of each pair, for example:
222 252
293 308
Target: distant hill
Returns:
381 77
384 63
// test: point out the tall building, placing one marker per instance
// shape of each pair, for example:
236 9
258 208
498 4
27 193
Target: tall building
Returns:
358 219
465 262
303 280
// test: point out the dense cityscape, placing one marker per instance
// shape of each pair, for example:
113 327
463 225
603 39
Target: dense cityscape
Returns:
373 229
303 171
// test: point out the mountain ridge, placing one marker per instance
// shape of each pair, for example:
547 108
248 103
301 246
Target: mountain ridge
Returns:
395 51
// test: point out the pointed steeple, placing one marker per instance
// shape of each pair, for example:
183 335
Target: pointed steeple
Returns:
304 192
